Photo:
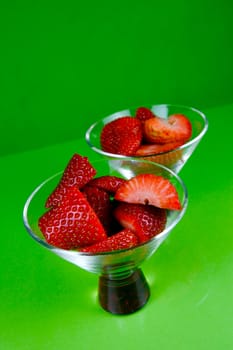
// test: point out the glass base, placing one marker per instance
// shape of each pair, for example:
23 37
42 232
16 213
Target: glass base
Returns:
123 296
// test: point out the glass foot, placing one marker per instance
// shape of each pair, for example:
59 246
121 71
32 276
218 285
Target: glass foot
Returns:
123 296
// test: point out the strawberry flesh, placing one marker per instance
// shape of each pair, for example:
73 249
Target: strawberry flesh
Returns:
145 220
124 239
72 223
176 128
150 149
121 136
149 189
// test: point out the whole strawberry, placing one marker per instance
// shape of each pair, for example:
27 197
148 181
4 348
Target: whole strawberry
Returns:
144 113
121 136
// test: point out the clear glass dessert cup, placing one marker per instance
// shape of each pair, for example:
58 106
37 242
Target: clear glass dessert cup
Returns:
174 159
122 288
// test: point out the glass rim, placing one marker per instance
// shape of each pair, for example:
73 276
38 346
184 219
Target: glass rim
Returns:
72 251
120 156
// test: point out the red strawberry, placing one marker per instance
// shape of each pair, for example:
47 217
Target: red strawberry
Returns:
56 196
103 206
143 113
149 189
145 220
176 128
100 203
124 239
107 183
150 149
77 173
121 136
72 223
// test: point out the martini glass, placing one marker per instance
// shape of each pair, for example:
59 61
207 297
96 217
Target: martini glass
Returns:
174 159
122 287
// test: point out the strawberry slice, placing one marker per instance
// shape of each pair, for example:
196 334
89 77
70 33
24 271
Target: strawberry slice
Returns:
149 189
107 183
145 220
73 223
144 113
100 203
150 149
176 128
77 173
121 136
124 239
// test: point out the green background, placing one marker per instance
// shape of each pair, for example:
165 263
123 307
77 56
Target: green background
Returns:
66 64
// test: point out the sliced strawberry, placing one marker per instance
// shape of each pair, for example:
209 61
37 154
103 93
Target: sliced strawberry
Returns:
121 136
150 149
149 189
73 223
107 183
145 220
144 113
100 203
77 173
124 239
176 128
57 195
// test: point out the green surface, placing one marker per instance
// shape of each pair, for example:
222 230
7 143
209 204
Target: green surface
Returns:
64 65
49 304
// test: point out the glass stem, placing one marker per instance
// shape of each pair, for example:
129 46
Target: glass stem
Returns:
123 295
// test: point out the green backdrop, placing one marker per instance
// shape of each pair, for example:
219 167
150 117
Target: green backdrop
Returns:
65 64
62 66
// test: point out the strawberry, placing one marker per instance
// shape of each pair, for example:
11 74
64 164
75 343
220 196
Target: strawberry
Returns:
72 223
56 196
149 189
107 183
121 136
100 203
103 206
176 128
124 239
150 149
144 113
77 173
145 220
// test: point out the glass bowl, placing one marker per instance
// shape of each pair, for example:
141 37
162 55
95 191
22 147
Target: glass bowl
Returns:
174 159
123 287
